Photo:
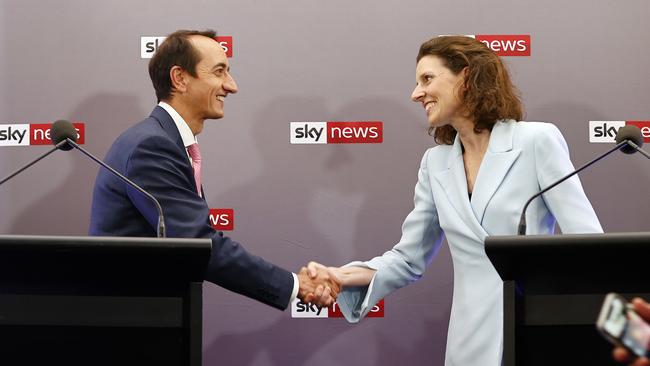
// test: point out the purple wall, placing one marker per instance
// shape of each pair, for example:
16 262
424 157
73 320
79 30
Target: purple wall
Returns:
313 61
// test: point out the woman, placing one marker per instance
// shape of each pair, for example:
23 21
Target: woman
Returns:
473 184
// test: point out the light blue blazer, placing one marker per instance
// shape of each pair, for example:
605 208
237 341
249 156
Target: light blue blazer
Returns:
521 159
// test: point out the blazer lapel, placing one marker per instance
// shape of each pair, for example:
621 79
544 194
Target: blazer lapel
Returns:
168 125
496 163
454 183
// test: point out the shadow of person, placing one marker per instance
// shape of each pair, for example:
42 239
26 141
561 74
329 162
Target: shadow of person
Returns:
388 179
329 203
63 203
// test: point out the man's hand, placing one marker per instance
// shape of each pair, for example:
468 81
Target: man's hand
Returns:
621 354
319 287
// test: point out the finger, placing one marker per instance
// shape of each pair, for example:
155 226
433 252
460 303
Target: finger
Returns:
310 298
334 290
620 354
641 307
313 269
326 294
335 285
641 361
319 292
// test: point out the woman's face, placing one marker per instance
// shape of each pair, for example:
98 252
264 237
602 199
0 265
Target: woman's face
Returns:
437 89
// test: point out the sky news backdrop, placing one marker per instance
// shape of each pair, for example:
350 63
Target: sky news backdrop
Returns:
318 153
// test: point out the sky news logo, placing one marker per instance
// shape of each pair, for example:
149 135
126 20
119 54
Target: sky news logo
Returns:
357 132
149 45
222 219
300 309
34 134
506 44
605 131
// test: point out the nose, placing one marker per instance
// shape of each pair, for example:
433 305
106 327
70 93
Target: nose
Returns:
230 85
417 94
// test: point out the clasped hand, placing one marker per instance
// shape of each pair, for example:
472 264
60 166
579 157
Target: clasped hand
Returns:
318 284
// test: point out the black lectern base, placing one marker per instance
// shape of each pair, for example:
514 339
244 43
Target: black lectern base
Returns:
65 345
563 345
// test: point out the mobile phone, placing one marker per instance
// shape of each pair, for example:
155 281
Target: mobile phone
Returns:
621 325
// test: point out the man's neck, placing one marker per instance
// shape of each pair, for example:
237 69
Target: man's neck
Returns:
195 123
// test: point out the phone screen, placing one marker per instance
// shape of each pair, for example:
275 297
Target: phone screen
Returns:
637 334
626 326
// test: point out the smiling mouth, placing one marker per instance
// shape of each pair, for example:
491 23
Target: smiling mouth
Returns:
221 98
428 106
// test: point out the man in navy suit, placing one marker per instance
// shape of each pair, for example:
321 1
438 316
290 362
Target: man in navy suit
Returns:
191 77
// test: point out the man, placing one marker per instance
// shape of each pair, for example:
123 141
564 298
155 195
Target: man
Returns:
191 77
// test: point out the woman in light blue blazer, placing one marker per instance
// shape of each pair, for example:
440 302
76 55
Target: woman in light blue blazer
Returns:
473 184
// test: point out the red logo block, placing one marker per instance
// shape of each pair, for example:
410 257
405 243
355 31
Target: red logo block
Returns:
226 44
222 219
507 44
377 311
39 133
356 132
644 126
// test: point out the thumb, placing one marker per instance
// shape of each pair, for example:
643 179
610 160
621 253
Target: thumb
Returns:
312 269
642 308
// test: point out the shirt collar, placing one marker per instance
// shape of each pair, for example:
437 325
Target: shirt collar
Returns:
186 133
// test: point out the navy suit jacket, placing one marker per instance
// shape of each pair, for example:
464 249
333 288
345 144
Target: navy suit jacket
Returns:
153 156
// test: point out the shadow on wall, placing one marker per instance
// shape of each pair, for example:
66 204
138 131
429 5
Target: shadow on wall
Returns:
326 203
65 209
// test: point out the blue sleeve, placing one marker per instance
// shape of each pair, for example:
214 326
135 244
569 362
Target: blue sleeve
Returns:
161 169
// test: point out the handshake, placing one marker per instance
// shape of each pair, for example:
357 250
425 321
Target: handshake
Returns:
320 285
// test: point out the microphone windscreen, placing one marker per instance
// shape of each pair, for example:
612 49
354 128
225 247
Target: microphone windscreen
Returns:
632 133
62 130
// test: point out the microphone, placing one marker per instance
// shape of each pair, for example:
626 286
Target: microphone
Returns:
68 132
628 139
634 139
63 138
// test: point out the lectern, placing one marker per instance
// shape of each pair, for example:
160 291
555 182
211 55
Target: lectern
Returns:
101 300
554 287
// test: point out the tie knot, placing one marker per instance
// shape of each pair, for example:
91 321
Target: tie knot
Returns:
194 152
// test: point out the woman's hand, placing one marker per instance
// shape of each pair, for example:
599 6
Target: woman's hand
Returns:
348 276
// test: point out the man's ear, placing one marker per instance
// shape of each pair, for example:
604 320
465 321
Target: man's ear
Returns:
178 78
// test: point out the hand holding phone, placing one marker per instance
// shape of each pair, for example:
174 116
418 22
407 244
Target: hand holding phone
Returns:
619 323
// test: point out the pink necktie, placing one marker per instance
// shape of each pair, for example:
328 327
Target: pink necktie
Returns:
195 154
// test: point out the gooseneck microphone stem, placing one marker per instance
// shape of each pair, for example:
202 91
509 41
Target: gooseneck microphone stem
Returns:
55 148
522 220
639 149
161 220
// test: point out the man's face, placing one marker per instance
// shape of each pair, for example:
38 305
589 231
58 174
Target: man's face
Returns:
207 91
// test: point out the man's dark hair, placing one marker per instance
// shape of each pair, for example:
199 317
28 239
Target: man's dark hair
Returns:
176 50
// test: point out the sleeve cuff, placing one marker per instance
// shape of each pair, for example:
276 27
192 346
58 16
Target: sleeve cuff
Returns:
296 286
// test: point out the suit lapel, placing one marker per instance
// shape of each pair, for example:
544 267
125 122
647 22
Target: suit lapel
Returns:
498 159
168 125
454 183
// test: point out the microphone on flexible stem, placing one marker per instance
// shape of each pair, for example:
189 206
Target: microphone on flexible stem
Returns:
62 138
60 144
628 139
634 139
